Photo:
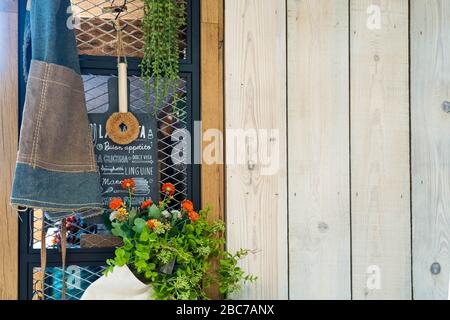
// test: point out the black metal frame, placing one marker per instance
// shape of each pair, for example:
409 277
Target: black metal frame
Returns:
29 258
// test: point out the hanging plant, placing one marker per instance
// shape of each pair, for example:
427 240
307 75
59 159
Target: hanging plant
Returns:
160 64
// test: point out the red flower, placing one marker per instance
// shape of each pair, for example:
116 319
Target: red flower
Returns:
127 184
146 204
152 223
187 205
168 188
193 216
115 203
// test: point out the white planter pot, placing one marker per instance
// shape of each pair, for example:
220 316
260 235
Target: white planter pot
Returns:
120 284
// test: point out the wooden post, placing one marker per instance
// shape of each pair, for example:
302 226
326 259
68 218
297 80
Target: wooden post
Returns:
212 109
8 146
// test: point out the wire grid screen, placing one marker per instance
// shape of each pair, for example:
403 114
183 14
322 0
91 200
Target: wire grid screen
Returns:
92 233
78 279
96 35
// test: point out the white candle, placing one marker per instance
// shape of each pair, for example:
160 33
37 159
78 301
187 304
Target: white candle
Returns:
123 88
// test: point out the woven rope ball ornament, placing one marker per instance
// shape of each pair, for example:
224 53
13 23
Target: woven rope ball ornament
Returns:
122 128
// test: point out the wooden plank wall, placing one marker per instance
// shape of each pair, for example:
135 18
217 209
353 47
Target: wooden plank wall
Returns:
255 98
367 145
335 86
430 87
8 146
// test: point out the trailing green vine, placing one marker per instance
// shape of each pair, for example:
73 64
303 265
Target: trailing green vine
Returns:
160 64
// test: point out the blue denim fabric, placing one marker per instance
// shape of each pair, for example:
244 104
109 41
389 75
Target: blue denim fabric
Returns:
37 187
26 50
51 39
59 192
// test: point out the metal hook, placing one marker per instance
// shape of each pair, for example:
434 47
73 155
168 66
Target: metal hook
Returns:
120 9
116 9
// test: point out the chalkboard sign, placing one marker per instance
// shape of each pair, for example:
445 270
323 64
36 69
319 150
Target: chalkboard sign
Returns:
137 160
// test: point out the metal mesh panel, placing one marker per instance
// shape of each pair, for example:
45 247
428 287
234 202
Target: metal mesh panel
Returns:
78 280
96 35
170 118
92 233
80 233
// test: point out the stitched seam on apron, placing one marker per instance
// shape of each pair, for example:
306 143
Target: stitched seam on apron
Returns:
91 150
39 118
56 203
26 158
58 83
53 169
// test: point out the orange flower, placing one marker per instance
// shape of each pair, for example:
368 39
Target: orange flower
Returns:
128 183
152 223
168 188
146 204
115 203
187 205
194 216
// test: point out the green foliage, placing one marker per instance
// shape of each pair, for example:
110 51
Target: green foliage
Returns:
231 276
160 64
150 250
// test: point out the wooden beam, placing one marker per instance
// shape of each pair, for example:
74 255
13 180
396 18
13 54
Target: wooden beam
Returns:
212 99
212 103
8 146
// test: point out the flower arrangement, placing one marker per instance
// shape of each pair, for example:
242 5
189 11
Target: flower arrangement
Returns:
171 249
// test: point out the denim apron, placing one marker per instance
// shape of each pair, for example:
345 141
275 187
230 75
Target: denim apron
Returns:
56 169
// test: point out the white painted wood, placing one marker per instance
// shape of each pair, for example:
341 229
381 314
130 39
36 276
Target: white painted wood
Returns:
430 86
318 137
123 87
380 172
255 98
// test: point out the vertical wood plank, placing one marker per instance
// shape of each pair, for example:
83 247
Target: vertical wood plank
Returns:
380 150
212 102
318 137
213 180
8 146
255 98
430 87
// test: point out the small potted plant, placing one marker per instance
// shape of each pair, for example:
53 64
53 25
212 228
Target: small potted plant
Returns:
167 252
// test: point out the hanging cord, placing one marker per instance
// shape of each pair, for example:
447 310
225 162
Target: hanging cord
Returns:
43 258
63 257
120 46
